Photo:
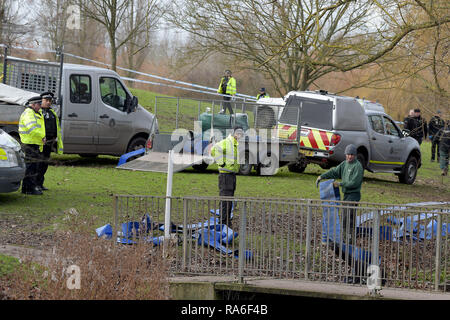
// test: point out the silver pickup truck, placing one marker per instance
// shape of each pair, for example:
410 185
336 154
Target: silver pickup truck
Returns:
98 113
330 122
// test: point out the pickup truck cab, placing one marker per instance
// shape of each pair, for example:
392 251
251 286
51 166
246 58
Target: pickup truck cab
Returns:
98 113
330 122
12 164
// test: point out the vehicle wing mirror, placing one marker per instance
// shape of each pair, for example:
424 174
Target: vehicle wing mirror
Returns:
132 104
405 132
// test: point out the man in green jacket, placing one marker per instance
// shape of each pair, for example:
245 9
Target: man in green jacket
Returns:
226 155
32 136
351 173
227 86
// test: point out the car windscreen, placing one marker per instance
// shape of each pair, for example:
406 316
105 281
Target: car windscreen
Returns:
315 113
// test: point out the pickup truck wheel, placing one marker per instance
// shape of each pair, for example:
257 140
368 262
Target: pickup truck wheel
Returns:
294 167
409 172
362 159
246 168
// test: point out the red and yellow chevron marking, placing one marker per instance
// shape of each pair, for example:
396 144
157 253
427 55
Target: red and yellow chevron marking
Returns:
315 139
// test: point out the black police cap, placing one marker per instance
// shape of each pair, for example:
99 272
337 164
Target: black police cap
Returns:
35 99
47 95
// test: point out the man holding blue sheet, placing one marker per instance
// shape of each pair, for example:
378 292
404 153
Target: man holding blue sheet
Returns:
351 173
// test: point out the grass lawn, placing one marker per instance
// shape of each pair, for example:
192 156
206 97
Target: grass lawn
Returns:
88 185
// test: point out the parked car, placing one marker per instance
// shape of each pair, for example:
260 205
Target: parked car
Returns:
330 122
12 163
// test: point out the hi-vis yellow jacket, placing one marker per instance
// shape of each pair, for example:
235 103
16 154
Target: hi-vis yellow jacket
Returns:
32 128
226 155
231 86
59 149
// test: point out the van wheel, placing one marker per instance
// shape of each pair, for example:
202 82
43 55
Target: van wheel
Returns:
136 144
295 167
409 172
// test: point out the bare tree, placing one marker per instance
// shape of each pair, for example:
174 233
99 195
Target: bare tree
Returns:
113 14
296 42
12 25
137 48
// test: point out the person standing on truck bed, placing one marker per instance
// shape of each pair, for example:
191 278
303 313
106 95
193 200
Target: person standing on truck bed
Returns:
352 173
436 124
262 94
443 136
227 86
52 134
32 136
225 153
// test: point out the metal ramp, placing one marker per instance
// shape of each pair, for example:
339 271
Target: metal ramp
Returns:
158 162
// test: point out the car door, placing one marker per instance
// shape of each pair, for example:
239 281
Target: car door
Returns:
379 146
114 124
79 116
396 143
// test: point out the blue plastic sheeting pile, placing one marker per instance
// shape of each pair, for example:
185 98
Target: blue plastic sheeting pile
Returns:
209 233
409 227
331 225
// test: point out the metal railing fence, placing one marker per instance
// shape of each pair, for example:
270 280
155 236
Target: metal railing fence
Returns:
299 239
180 113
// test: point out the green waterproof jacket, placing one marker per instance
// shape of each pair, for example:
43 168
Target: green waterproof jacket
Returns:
231 86
351 174
32 128
225 154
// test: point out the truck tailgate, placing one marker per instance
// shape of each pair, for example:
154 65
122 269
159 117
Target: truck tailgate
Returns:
313 139
158 162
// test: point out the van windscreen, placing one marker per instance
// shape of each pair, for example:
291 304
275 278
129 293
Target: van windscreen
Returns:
315 113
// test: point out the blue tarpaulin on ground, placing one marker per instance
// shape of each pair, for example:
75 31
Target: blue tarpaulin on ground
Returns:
209 233
409 227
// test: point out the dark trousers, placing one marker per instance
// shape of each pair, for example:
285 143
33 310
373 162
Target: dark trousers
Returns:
349 215
227 186
32 159
227 105
43 165
434 149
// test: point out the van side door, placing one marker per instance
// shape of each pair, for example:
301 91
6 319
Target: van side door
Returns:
113 121
79 116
